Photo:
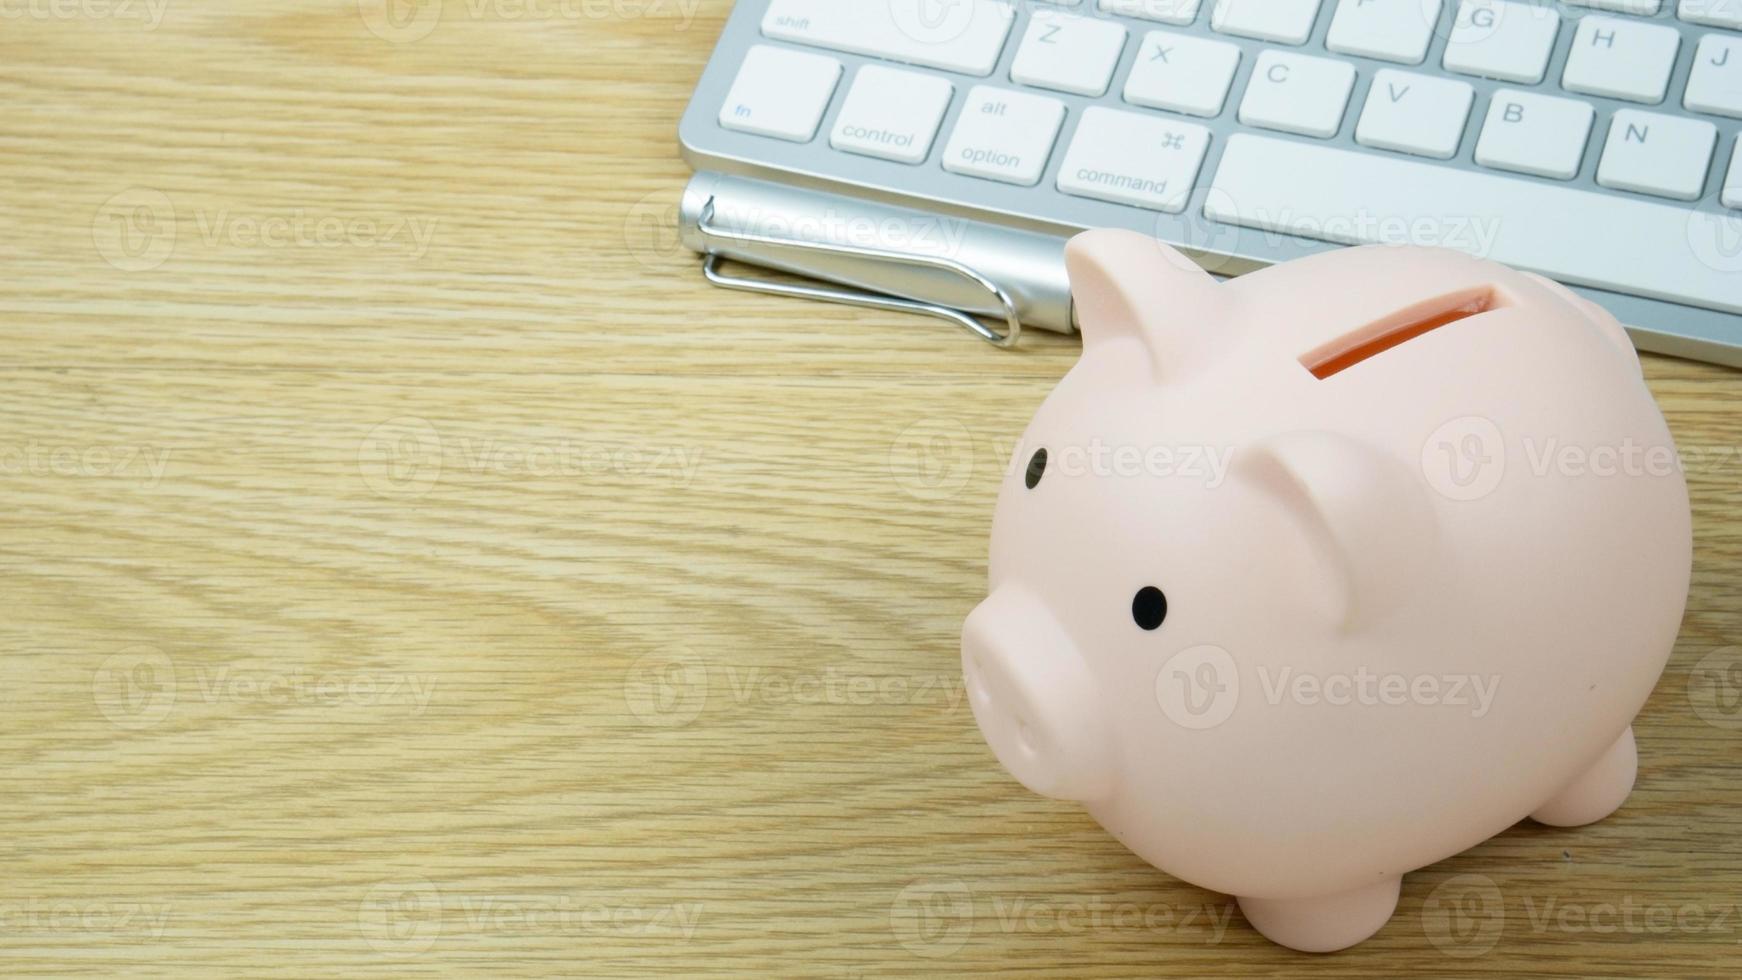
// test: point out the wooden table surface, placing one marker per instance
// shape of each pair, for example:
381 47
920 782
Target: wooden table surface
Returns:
411 567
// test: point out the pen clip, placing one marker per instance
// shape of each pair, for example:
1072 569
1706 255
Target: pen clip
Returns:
710 268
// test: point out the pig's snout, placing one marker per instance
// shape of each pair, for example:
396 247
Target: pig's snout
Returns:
1036 700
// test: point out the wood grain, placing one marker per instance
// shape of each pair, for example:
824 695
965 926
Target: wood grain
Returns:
410 566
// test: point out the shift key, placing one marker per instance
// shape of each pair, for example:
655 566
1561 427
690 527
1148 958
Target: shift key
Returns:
1004 135
958 35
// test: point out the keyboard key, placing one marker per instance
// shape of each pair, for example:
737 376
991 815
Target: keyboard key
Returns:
1733 183
968 36
1182 73
1390 30
1714 13
1656 154
1535 134
1418 114
1296 93
1643 7
1282 21
892 114
1166 11
1716 83
1622 59
1004 135
1141 160
780 93
1068 53
1504 40
1608 241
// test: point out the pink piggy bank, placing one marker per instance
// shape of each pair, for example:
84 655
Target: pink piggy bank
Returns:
1313 578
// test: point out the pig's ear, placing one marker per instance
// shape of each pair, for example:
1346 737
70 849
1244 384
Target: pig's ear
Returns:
1131 286
1368 514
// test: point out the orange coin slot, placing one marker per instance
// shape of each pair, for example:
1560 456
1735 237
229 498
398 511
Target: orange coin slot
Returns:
1394 331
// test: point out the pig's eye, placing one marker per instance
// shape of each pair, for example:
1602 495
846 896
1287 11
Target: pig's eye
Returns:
1149 608
1036 469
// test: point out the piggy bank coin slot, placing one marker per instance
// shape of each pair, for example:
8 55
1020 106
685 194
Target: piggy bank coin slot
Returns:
1398 329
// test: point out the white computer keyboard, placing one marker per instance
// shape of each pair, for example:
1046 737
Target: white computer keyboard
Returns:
1592 141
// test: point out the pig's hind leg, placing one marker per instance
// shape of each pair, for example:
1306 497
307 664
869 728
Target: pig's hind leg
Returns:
1597 793
1328 923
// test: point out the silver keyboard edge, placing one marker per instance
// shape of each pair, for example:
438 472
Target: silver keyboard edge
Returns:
830 185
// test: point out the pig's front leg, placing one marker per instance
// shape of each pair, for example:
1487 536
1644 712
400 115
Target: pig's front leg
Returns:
1328 923
1597 793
